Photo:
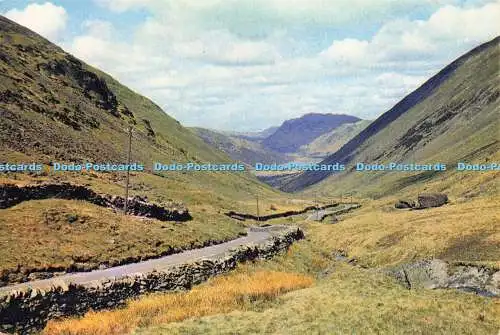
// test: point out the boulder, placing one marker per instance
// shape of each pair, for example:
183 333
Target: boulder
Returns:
429 200
402 204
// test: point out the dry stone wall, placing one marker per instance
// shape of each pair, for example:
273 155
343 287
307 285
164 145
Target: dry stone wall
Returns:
243 216
11 195
28 311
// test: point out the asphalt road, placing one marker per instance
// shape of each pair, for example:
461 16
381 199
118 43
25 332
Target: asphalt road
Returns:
257 235
320 214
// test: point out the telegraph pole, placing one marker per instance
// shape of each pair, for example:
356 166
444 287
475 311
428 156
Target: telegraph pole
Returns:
258 214
129 154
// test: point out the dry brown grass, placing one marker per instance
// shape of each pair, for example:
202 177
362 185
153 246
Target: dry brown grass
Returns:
380 235
220 295
37 235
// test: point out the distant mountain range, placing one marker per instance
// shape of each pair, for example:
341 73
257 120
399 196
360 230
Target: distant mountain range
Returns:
244 148
251 135
310 137
333 140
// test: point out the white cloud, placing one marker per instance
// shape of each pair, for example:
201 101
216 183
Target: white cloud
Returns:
101 48
99 28
221 47
46 19
347 51
448 32
195 57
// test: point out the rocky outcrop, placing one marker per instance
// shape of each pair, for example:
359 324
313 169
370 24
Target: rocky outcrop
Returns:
426 200
403 204
29 310
94 87
432 200
243 216
438 274
11 195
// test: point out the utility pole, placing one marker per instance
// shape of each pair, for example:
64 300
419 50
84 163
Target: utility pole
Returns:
258 214
129 154
316 205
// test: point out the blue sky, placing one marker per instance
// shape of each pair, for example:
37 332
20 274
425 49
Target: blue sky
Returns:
250 64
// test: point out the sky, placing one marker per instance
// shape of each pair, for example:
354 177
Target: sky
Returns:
246 65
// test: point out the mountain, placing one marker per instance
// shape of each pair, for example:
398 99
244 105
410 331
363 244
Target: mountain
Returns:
294 133
333 140
55 107
249 148
241 147
452 117
252 135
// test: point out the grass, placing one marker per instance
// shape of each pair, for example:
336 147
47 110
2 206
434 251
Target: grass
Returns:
220 295
60 233
379 235
38 125
36 235
353 300
344 300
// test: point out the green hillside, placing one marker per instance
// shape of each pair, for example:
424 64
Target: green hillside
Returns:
451 118
55 108
241 149
332 141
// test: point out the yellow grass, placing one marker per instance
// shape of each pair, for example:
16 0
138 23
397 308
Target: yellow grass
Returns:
37 235
220 295
380 235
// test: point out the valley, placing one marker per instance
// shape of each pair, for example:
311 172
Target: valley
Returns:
117 219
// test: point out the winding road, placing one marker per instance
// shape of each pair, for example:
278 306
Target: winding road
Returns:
319 215
254 236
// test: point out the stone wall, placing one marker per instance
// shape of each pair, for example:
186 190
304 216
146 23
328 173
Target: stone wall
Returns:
349 208
11 195
243 216
28 311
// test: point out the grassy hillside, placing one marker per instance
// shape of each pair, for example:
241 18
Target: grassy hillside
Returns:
294 133
343 298
55 108
452 117
241 149
332 141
